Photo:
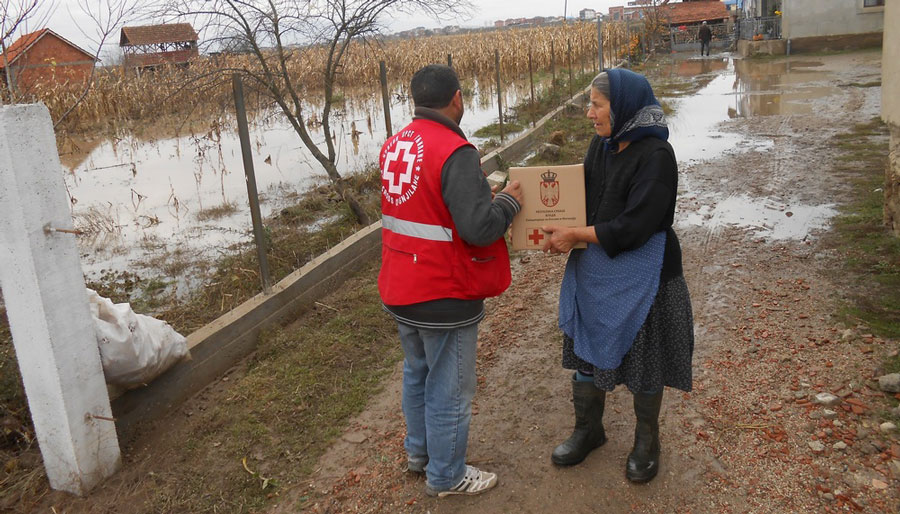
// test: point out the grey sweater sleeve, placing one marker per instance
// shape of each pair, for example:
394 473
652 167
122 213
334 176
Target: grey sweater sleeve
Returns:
479 220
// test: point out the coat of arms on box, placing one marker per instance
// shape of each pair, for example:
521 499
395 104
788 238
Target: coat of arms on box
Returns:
549 189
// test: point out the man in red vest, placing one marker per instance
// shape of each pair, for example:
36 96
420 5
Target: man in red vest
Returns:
442 254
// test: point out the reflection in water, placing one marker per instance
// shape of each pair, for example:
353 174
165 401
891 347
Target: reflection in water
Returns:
694 128
700 66
777 87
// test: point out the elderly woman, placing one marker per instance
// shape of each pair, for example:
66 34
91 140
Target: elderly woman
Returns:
624 306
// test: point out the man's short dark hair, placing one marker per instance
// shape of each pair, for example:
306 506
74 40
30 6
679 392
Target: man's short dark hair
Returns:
434 86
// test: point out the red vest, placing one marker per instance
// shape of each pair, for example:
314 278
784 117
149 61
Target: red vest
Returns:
422 256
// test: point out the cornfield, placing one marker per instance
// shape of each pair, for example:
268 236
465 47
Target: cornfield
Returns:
118 97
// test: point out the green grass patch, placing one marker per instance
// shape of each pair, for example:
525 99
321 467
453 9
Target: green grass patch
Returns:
293 398
573 130
294 237
217 212
874 83
493 130
871 268
550 97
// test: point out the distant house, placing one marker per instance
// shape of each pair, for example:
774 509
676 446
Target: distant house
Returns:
621 13
45 57
695 12
149 46
587 14
687 12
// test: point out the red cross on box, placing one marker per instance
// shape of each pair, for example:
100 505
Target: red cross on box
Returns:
536 236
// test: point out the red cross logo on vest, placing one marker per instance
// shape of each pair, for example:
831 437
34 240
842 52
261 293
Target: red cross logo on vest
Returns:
401 166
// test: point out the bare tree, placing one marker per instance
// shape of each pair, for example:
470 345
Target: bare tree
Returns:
107 16
656 22
278 35
15 17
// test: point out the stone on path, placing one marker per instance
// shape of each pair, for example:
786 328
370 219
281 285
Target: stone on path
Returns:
827 399
890 383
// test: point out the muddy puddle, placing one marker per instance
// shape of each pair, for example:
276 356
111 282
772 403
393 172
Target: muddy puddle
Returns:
700 131
765 217
141 198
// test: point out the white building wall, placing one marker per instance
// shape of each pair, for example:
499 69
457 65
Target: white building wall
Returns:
890 64
890 112
809 18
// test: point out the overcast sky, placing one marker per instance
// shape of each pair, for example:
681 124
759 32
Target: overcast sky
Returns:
67 17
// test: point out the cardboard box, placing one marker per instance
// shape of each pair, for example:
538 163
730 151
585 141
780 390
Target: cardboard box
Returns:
552 195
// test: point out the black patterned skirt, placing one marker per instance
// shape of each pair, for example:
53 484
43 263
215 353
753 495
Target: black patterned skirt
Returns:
662 350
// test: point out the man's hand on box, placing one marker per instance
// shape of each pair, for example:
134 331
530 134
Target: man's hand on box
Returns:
514 189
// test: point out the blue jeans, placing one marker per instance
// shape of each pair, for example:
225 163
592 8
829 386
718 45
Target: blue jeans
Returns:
438 386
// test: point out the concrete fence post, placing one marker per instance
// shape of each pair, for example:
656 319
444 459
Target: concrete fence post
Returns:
47 307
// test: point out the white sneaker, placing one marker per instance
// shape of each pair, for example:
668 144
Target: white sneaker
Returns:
473 482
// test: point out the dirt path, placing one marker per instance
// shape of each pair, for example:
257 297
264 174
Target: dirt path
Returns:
750 437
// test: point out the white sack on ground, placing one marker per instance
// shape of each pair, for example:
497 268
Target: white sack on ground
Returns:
134 348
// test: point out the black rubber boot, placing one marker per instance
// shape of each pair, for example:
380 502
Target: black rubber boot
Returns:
588 433
643 461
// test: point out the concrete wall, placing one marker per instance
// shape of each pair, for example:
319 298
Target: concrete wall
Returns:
219 345
890 112
747 48
812 18
837 43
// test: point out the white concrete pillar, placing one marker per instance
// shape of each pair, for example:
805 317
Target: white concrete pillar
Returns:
43 288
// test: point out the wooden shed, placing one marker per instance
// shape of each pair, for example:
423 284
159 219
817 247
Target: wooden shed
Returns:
45 57
149 46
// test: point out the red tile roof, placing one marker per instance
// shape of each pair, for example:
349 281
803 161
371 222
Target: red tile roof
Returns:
695 12
156 34
21 45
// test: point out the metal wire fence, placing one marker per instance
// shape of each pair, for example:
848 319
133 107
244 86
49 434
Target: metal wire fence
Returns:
768 27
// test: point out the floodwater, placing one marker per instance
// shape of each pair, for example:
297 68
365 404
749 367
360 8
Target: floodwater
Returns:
767 217
187 194
744 89
145 197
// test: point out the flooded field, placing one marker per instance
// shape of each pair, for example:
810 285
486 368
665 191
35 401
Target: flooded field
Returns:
143 197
